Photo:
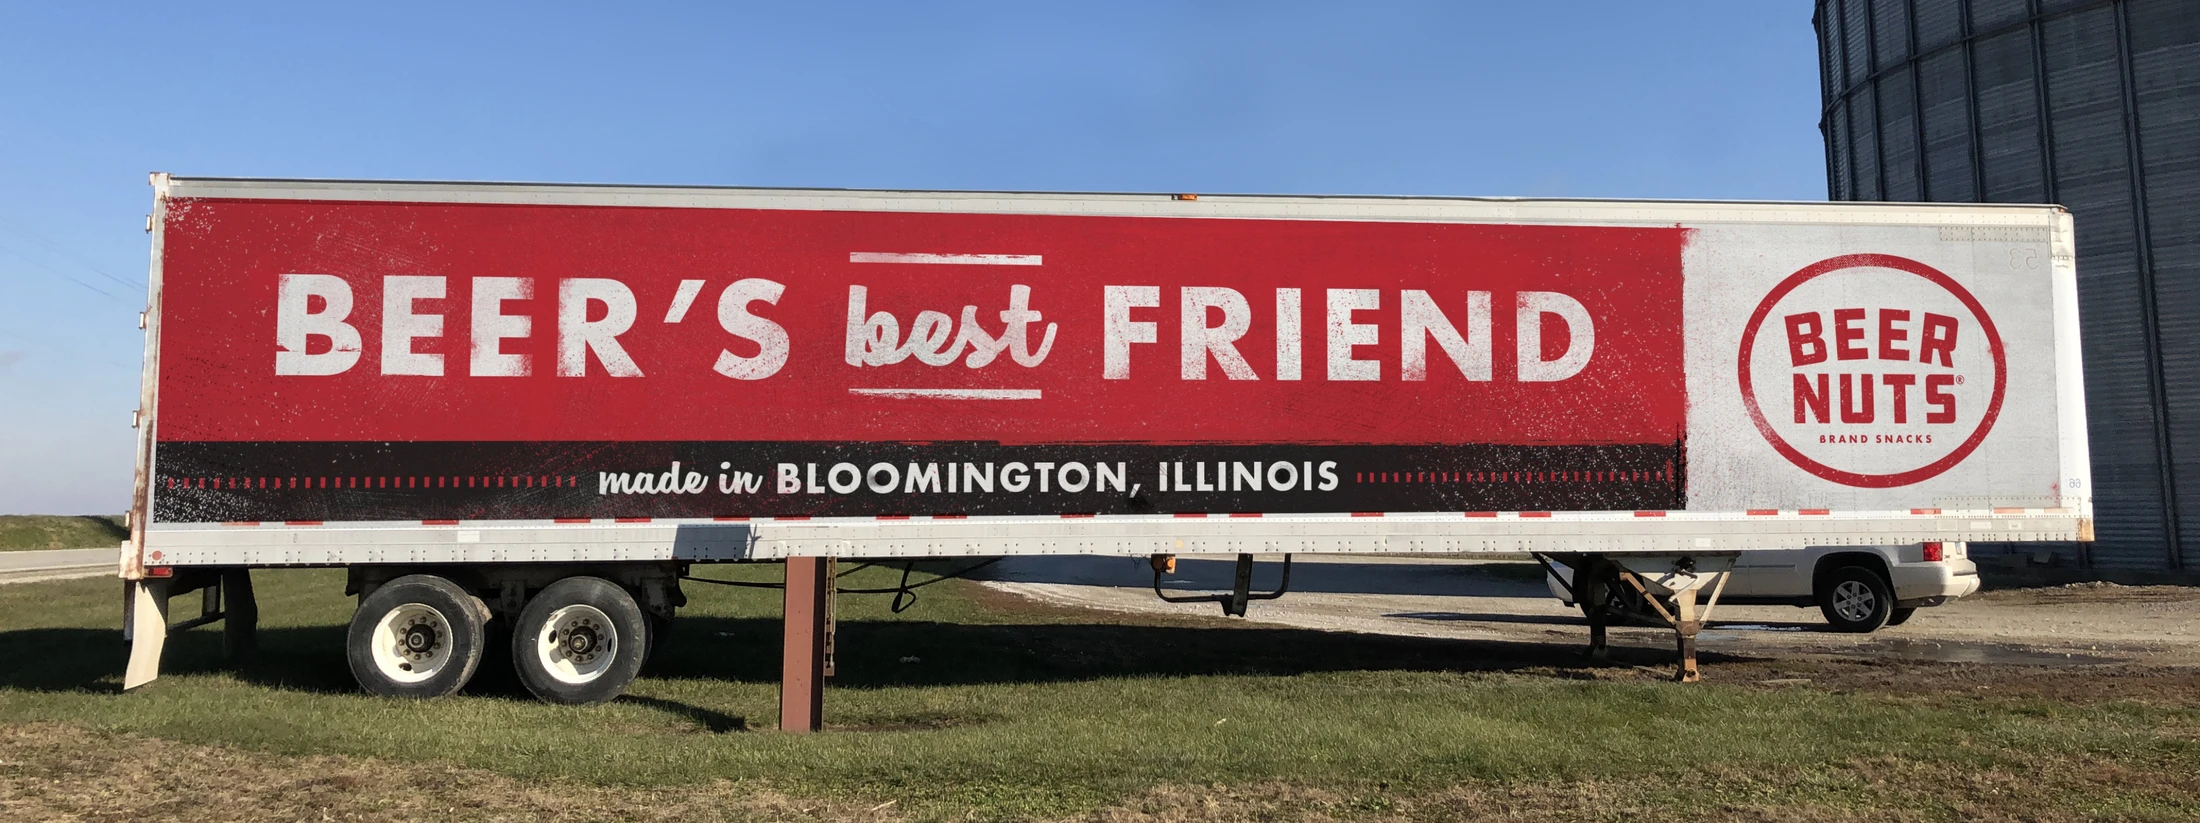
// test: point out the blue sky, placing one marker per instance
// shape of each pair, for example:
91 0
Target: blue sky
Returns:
1575 99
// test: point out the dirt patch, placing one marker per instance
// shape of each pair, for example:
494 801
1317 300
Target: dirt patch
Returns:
2164 686
1884 789
65 773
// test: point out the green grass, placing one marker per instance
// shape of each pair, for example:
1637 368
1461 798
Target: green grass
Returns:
20 532
1023 712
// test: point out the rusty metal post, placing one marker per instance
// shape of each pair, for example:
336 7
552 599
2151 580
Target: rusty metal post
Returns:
1685 624
802 668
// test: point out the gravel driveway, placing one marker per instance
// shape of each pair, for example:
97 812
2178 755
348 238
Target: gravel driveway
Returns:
1475 598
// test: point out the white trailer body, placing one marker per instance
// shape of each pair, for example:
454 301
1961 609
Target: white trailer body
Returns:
409 376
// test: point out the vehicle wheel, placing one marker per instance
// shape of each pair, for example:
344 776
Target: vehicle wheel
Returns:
1855 599
416 636
580 641
1900 616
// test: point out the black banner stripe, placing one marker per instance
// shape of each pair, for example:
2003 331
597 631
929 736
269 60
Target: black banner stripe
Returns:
483 480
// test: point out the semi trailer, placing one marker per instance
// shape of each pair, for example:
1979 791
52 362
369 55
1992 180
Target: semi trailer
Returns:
546 405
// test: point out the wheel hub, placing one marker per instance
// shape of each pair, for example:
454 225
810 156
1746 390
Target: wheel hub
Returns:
579 641
412 642
1854 601
420 639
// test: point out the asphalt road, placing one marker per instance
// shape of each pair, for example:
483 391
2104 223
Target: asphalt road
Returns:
25 567
1476 598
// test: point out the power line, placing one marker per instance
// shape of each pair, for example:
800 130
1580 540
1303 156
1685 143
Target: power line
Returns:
66 276
11 225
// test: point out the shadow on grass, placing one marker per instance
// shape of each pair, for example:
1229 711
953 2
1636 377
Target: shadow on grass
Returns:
870 654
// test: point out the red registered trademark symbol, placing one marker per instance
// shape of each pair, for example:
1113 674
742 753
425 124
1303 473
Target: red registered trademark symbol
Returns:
1959 380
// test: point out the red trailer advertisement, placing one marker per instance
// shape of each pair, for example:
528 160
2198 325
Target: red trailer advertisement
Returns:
516 362
393 376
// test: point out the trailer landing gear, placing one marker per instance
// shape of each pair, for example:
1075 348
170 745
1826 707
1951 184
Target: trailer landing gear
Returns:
1683 617
1650 581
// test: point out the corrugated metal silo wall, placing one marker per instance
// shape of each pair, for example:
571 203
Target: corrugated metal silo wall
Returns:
2094 104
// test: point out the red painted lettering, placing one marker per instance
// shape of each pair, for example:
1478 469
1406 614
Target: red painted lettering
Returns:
1812 397
1846 332
1805 343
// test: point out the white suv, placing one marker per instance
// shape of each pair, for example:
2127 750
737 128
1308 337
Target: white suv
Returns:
1858 588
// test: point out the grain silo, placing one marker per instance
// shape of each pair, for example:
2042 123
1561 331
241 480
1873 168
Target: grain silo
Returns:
2093 104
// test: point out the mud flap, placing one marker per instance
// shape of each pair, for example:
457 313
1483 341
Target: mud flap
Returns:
146 605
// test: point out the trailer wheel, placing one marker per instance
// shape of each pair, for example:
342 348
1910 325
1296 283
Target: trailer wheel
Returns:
417 636
1855 599
580 641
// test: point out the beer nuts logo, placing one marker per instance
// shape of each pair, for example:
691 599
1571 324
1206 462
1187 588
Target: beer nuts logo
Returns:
1878 371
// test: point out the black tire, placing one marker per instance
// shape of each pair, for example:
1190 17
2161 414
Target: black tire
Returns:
579 642
1901 616
1855 599
417 636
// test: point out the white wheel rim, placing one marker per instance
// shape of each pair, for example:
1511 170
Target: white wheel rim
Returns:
1854 601
412 643
577 644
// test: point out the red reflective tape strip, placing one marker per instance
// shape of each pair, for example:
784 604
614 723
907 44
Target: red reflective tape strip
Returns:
950 517
730 519
1367 514
1535 514
1077 514
630 520
1924 511
793 517
1763 512
1245 514
241 523
1191 514
160 571
301 522
572 520
1819 512
1649 514
2008 509
439 522
1481 514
